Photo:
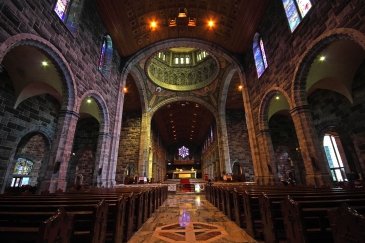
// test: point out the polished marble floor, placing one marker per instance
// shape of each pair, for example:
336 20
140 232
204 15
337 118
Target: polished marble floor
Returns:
189 218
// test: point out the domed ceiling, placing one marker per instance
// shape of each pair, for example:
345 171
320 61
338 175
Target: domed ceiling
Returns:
182 69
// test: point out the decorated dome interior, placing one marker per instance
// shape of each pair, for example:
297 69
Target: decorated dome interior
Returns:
182 68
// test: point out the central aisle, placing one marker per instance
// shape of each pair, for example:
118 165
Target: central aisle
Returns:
189 218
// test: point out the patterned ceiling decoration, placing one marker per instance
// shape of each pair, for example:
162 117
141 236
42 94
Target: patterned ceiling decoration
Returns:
182 71
128 22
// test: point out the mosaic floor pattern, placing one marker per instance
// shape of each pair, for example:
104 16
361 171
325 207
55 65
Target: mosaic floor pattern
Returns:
189 218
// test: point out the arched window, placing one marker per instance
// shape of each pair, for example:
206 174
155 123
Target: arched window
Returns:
69 12
335 157
295 11
259 55
106 55
21 172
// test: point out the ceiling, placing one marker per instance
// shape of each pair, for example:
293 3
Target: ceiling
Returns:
189 121
30 78
128 21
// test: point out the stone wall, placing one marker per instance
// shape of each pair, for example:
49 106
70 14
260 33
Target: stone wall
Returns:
129 145
238 142
78 47
36 114
332 112
210 161
159 158
282 46
83 152
285 52
286 147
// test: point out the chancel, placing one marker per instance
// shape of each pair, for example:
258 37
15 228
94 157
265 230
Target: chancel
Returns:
182 121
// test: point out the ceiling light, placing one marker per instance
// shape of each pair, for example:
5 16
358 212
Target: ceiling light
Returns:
153 25
125 89
88 100
277 97
211 24
240 87
44 63
322 58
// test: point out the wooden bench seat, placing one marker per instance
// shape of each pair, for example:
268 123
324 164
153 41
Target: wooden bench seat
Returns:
307 221
45 227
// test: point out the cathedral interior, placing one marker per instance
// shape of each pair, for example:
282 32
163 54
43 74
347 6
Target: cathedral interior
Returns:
113 96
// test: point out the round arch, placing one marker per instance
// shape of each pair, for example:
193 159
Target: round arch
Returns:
265 103
27 134
103 108
192 99
26 39
298 89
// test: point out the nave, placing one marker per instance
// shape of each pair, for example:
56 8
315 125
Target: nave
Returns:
189 218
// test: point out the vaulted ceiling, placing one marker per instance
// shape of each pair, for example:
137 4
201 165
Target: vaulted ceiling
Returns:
128 22
183 123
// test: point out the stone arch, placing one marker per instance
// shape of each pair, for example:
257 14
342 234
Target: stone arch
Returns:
148 51
103 108
264 106
26 39
103 148
298 89
138 74
192 99
21 140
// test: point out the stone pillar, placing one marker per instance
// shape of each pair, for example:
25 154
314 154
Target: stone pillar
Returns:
145 149
267 158
62 148
315 163
222 138
101 160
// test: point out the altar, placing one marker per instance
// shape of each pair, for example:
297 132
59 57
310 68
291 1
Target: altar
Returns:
178 174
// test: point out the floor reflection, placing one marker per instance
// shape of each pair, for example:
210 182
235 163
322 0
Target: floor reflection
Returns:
187 219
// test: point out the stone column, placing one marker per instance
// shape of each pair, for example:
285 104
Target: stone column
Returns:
222 138
145 158
315 163
101 160
267 158
62 148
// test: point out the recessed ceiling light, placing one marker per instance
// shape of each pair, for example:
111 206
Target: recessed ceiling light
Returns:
44 64
322 58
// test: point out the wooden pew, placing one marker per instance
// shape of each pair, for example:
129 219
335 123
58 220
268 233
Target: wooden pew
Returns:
272 217
307 221
26 226
347 224
89 219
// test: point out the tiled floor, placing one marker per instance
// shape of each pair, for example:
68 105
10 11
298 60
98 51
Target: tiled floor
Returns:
189 218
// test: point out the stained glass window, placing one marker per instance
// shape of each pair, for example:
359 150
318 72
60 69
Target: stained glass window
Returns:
21 172
106 55
183 152
259 55
61 8
69 12
295 11
23 167
334 159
